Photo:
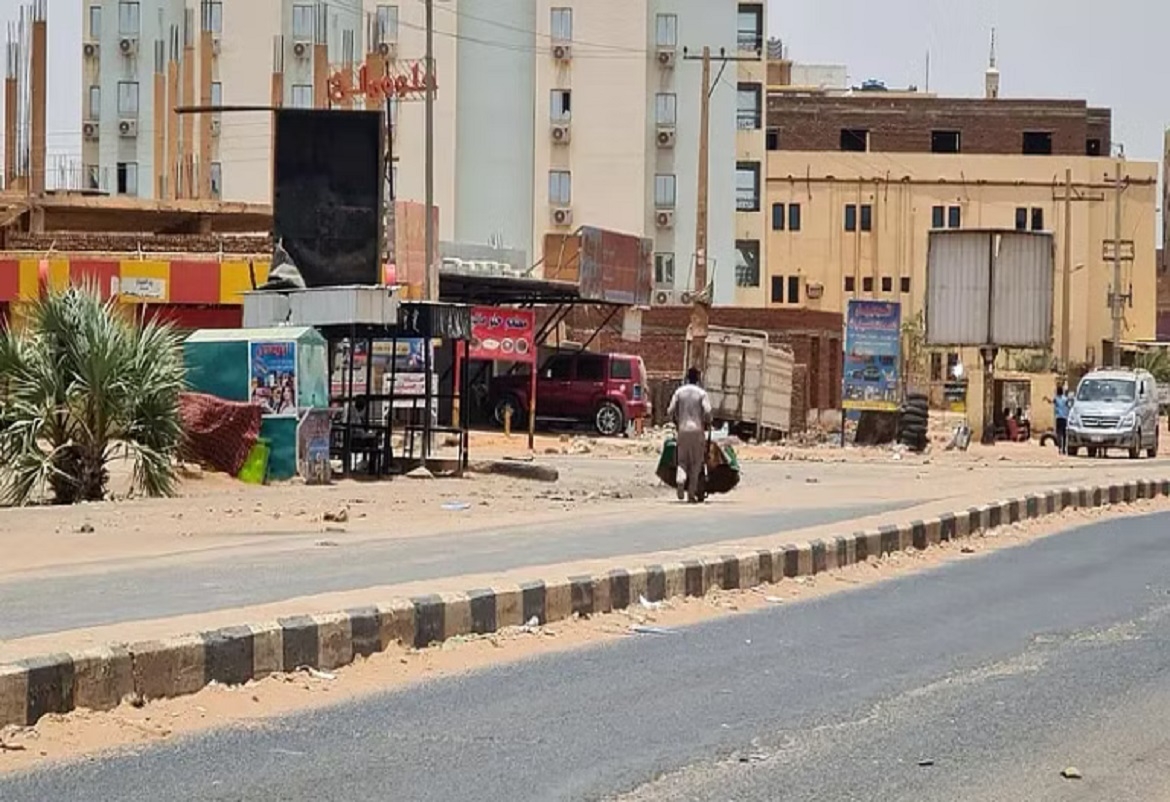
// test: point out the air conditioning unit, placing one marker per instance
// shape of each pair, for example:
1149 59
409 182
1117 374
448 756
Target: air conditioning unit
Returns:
90 131
560 134
562 52
128 45
686 298
664 218
216 127
666 58
91 49
665 136
388 50
562 216
302 49
128 129
664 298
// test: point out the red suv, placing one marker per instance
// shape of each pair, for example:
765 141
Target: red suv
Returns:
606 390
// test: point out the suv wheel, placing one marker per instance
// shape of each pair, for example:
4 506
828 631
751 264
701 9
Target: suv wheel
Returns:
1153 452
1136 451
609 421
502 406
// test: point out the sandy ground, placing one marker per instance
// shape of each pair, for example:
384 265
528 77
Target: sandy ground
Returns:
85 734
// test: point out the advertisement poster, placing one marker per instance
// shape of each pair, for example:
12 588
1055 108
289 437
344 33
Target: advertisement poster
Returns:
313 446
873 348
273 371
408 357
507 335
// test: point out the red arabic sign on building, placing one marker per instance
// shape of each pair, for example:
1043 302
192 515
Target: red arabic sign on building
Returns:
505 335
409 80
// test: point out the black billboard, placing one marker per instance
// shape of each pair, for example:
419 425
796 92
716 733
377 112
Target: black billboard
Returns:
327 194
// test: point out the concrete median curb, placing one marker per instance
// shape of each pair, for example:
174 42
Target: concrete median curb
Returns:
101 679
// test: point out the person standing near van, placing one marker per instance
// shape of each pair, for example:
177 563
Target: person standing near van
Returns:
1060 410
690 409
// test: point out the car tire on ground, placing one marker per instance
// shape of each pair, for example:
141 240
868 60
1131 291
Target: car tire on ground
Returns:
1136 451
1072 451
502 405
609 420
1153 452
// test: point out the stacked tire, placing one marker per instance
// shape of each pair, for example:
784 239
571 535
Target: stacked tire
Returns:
913 421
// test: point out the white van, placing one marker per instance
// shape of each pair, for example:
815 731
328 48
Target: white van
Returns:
1114 408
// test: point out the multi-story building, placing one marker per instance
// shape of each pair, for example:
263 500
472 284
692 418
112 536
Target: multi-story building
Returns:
549 113
856 182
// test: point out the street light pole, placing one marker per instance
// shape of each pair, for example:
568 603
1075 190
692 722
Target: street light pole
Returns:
430 278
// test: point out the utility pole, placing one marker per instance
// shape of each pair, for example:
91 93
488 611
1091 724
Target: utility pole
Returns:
701 305
430 278
1116 298
1066 281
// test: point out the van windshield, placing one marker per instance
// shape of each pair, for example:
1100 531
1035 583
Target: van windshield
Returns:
1121 390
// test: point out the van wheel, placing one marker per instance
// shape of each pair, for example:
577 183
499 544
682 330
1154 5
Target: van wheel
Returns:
1153 452
1072 451
1136 451
609 419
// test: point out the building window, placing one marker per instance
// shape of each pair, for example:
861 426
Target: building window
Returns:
748 109
561 107
887 284
944 142
1093 147
794 217
955 217
216 94
127 178
387 22
1037 219
94 111
850 284
1021 218
938 216
777 216
302 96
560 187
772 139
92 176
216 180
936 367
215 16
129 18
302 23
747 187
855 139
866 217
1037 143
904 284
561 25
867 284
664 269
95 22
850 217
747 263
127 98
794 289
665 191
777 289
750 38
666 108
666 30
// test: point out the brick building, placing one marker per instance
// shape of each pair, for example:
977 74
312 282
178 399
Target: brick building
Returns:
906 123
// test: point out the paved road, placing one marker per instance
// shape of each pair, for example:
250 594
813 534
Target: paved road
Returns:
36 606
1001 670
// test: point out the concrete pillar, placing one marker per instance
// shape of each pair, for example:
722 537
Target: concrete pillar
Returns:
205 119
39 96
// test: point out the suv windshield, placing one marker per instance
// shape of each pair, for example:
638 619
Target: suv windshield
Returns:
1106 390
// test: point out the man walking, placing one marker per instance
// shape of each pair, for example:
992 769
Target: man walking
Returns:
1060 409
690 409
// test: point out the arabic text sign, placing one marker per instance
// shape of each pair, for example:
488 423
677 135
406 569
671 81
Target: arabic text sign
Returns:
507 335
873 350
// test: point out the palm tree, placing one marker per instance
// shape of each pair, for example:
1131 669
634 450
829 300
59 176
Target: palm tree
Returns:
83 384
1156 361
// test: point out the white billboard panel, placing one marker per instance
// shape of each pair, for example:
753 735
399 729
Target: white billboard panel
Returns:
989 288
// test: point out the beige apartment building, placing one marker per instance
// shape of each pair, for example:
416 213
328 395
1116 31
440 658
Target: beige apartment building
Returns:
550 114
856 184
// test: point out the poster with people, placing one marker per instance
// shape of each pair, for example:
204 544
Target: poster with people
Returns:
273 374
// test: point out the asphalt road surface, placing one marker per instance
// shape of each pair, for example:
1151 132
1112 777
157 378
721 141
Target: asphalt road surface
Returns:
36 606
993 674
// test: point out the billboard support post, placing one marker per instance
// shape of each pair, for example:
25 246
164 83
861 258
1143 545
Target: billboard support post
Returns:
988 354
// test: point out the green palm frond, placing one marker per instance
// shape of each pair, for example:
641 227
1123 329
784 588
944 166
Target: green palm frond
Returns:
84 384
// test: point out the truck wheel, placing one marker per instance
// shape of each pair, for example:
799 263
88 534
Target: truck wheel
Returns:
609 421
505 403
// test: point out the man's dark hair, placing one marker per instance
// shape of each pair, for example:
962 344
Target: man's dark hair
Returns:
693 375
1060 389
